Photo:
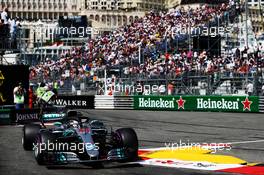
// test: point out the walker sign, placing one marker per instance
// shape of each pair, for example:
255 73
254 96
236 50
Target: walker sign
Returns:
80 101
198 103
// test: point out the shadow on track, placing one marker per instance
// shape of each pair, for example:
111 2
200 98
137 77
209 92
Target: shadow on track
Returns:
118 166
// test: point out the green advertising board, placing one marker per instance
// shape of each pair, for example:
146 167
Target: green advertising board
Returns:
198 103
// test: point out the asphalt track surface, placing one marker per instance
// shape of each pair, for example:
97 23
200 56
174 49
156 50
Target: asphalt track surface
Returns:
154 129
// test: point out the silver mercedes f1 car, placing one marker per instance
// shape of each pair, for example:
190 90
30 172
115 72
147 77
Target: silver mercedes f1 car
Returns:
78 139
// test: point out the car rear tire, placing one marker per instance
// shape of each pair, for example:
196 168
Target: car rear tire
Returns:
128 140
30 131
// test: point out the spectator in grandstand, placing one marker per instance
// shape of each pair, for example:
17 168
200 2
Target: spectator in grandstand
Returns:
13 32
170 88
4 16
55 87
237 53
249 88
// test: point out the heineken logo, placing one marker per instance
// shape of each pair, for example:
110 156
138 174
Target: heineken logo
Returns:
161 103
217 104
157 103
223 104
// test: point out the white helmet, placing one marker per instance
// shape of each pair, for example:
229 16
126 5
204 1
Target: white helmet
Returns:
74 123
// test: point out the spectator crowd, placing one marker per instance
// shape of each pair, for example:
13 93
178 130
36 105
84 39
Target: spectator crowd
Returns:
148 48
8 30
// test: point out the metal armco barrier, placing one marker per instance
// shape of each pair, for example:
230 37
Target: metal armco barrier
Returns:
198 103
9 115
261 104
113 102
5 116
173 103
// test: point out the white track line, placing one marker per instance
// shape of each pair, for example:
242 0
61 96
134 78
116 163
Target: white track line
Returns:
245 142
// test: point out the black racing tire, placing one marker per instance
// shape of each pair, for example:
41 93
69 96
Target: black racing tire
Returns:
41 141
30 131
128 140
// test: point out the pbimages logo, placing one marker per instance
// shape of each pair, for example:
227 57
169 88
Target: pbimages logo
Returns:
135 89
203 31
69 31
214 147
71 147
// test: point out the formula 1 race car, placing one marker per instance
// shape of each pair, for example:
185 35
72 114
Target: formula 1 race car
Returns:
78 139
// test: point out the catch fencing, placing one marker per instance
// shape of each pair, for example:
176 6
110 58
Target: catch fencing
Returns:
227 83
211 84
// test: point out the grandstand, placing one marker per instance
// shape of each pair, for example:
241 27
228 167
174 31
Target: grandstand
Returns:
151 49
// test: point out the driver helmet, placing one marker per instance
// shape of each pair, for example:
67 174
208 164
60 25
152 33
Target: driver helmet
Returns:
74 123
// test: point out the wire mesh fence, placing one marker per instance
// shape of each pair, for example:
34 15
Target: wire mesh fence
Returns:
227 83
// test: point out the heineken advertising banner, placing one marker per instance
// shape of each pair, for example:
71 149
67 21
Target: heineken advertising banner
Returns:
198 103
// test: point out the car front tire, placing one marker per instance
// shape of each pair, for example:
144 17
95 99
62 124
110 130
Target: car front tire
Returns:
129 141
30 131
